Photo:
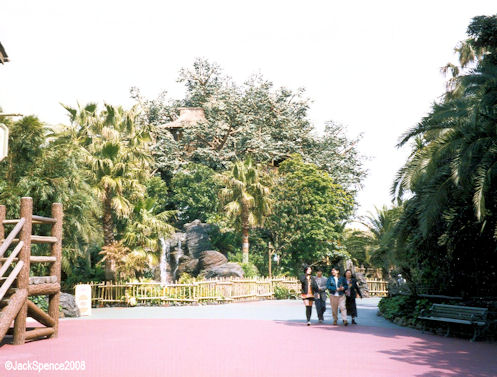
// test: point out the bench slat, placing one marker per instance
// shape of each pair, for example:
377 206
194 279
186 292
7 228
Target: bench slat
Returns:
441 319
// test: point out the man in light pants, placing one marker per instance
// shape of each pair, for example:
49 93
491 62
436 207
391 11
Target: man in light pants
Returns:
337 286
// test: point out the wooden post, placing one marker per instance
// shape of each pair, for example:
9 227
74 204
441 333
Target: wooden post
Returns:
23 277
3 211
53 300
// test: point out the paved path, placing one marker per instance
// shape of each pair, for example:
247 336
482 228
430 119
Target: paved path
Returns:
263 339
284 310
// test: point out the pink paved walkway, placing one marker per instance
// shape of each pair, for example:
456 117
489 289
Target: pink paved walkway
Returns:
238 348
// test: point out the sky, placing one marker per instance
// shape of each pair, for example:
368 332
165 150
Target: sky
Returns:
373 66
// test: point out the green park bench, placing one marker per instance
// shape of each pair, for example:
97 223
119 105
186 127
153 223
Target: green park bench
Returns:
465 315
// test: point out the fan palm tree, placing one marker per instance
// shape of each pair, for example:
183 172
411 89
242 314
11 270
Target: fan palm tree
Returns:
245 198
115 146
456 146
146 228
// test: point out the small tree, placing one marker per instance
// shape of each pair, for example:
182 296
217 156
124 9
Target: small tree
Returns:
245 198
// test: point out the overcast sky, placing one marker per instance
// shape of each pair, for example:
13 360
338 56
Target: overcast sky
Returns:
373 66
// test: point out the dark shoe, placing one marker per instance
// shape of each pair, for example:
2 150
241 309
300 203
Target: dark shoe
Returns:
354 322
345 323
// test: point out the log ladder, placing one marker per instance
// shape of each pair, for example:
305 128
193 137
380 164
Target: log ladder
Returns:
16 286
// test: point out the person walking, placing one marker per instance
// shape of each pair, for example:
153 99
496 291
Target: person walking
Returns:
351 294
309 287
337 286
320 295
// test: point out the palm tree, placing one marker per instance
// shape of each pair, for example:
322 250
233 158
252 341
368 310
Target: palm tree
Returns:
245 198
146 228
456 147
115 146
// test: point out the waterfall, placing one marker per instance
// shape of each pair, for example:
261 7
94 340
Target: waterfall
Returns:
164 260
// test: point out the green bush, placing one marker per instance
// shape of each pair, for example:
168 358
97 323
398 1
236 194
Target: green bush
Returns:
396 306
407 307
41 302
249 270
282 293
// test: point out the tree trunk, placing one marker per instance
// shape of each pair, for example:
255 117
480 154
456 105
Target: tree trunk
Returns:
245 244
269 268
108 226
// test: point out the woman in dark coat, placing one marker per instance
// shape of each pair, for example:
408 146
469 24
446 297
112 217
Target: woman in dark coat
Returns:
309 287
351 294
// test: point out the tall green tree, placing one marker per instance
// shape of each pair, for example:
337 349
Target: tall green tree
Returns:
449 224
253 119
48 166
115 146
195 193
245 198
309 214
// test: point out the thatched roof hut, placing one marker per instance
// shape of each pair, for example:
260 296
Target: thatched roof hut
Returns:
188 116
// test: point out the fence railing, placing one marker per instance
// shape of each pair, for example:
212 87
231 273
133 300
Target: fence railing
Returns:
203 291
377 287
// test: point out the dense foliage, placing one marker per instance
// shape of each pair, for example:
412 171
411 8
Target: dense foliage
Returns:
254 120
125 179
447 232
309 214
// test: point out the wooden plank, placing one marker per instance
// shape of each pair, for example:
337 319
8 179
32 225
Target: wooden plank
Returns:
452 320
55 268
459 306
39 333
36 313
43 239
44 220
11 311
42 259
43 289
10 279
10 238
3 212
8 261
8 222
33 280
458 298
23 278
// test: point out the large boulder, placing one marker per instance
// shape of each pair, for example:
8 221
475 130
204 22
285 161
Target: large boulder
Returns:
68 305
225 270
188 265
211 258
197 238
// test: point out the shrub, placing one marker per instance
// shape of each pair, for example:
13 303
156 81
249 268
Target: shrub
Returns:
41 302
396 306
249 270
407 307
281 293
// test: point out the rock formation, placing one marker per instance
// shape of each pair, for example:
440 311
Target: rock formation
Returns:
192 252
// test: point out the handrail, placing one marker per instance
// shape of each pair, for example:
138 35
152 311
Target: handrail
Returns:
43 219
35 219
6 243
12 276
11 258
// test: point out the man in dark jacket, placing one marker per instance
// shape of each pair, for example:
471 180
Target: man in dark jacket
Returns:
337 286
320 295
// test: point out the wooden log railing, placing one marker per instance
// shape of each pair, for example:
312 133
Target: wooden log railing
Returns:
18 285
